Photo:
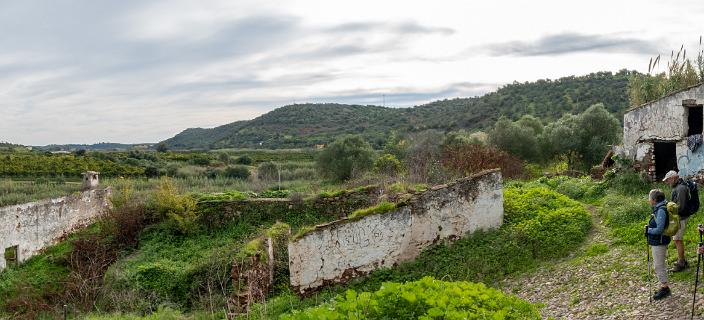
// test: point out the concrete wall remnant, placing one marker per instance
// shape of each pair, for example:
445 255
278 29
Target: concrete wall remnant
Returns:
343 249
669 120
90 180
34 226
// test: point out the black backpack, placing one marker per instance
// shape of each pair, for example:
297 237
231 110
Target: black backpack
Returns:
693 200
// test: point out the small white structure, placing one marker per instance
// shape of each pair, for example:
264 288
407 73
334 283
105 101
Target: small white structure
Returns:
90 180
664 134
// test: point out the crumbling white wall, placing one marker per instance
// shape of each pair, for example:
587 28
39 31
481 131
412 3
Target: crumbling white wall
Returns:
36 225
343 249
663 120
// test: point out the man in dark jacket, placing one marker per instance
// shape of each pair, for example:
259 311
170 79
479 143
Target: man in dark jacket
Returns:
680 195
657 240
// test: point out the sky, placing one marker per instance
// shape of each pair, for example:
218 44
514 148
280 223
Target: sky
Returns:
134 71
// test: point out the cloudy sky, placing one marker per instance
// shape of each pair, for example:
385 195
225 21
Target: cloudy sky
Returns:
141 71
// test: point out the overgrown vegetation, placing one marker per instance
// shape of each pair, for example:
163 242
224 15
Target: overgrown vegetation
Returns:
681 73
426 298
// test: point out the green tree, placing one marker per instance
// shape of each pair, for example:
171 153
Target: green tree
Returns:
162 147
514 138
528 121
345 157
583 138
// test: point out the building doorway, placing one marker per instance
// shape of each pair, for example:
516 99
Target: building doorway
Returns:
695 120
665 158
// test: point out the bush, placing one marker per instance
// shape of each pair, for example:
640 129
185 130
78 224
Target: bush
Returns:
200 160
472 158
268 171
345 157
584 189
629 183
175 208
545 221
388 164
424 299
237 172
244 160
526 203
151 172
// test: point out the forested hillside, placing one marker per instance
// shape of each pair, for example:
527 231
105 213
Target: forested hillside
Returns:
305 125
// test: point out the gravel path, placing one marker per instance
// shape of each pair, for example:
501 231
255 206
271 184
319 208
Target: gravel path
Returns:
610 285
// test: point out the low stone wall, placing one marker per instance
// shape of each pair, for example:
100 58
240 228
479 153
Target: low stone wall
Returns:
340 250
34 226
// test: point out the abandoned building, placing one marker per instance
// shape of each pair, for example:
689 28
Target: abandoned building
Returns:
666 134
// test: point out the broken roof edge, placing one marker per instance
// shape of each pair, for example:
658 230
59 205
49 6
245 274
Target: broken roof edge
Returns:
664 97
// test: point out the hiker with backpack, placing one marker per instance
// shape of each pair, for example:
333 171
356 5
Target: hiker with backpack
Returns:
657 240
685 195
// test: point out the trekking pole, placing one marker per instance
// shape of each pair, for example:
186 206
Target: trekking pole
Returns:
650 286
699 260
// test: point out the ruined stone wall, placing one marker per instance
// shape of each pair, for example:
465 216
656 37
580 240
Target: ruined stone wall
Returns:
340 250
34 226
663 120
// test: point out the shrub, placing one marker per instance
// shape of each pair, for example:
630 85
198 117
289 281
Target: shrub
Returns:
244 160
579 189
629 183
553 233
223 196
274 194
177 209
200 160
214 173
151 172
268 171
387 164
545 221
424 299
345 157
525 203
237 172
472 158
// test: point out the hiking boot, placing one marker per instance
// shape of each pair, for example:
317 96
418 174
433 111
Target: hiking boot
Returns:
662 293
677 267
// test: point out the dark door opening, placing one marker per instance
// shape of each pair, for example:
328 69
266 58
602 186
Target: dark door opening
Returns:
695 120
665 158
11 258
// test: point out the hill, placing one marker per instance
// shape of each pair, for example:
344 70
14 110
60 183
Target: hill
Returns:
305 125
103 146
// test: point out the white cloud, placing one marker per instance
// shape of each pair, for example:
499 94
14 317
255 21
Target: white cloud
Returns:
135 71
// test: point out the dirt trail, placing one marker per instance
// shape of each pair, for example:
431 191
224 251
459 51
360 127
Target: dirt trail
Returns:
610 285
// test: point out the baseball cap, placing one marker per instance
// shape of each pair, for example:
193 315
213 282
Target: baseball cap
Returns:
670 174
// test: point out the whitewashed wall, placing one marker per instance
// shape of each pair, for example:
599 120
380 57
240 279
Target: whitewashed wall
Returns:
36 225
661 120
347 248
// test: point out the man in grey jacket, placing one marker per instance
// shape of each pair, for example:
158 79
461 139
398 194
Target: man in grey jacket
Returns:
680 195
